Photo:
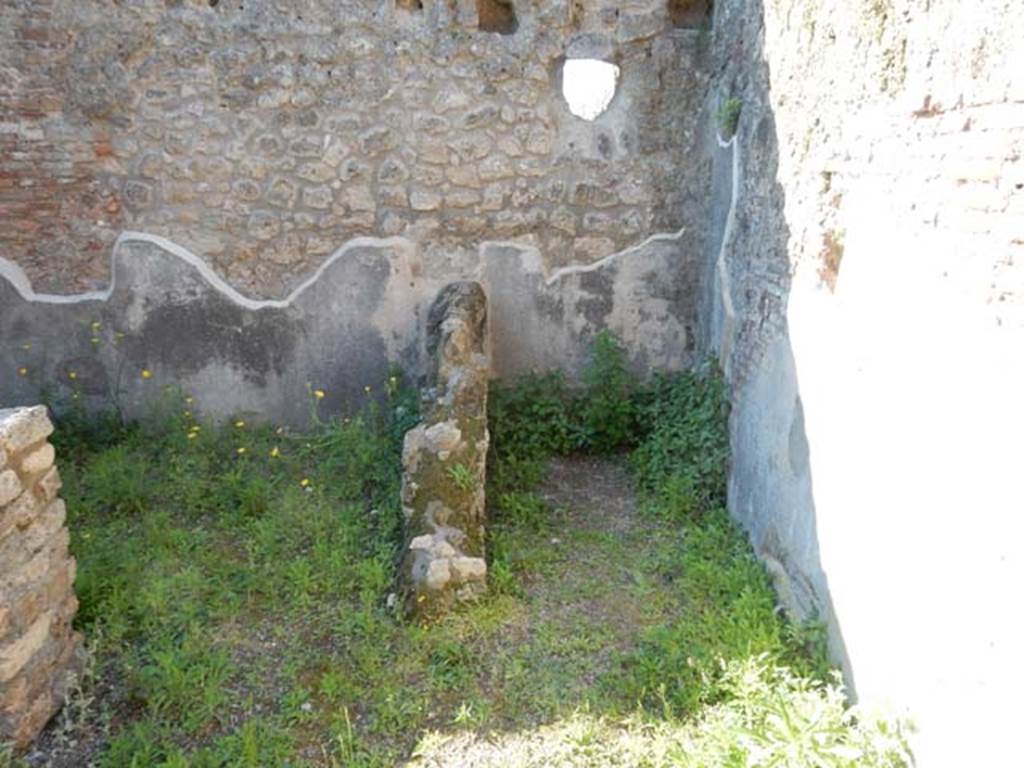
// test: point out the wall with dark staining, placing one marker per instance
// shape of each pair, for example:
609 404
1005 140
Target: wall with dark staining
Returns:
263 135
250 197
168 321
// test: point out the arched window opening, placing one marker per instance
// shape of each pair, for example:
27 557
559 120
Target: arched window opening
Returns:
588 86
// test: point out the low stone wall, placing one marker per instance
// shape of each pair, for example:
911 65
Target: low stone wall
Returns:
37 644
444 460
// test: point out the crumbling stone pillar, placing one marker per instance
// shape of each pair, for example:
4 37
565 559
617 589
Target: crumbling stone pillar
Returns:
444 460
37 645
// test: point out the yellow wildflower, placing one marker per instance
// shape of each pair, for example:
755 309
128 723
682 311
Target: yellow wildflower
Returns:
240 450
23 371
146 373
318 394
304 482
72 375
26 346
189 399
96 325
95 340
366 389
192 435
275 452
239 424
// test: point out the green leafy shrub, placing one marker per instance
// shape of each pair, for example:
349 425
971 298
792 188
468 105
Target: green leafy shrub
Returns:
522 508
185 680
684 420
604 408
462 476
528 419
532 414
539 415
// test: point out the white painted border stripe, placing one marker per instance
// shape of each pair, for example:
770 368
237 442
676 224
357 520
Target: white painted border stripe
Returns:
578 268
724 281
16 276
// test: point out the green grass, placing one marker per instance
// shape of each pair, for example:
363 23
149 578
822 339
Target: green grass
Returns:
234 585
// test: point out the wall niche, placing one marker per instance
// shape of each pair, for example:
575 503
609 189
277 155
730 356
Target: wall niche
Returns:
497 16
689 14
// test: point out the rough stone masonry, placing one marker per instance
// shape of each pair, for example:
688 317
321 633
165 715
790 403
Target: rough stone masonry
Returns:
262 135
249 197
444 461
37 645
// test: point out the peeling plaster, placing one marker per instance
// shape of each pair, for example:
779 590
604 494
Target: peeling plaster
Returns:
16 276
362 311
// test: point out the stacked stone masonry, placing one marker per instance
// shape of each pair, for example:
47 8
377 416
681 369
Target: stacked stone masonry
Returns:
263 135
38 648
444 461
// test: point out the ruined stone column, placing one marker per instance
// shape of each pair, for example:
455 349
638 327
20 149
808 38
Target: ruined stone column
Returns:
37 645
444 460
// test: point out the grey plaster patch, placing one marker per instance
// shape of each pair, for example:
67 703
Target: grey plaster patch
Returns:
168 320
799 450
543 323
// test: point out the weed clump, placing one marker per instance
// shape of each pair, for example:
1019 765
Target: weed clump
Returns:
685 445
728 116
540 415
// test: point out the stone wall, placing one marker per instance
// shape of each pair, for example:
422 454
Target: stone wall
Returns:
444 460
263 135
866 297
244 199
169 321
37 645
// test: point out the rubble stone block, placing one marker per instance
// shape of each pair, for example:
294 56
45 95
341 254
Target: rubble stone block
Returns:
38 460
10 486
48 485
38 648
444 460
23 427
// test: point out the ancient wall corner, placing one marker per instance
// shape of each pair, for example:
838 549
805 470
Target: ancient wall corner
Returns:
38 647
